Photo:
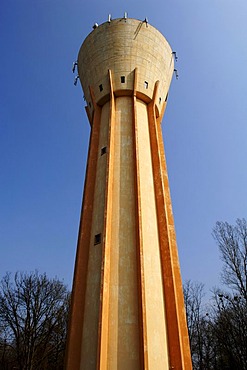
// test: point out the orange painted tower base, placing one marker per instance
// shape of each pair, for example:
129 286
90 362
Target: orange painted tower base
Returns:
127 309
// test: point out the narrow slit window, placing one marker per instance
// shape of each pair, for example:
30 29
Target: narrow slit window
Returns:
122 79
100 87
145 84
159 100
103 150
166 97
89 104
97 239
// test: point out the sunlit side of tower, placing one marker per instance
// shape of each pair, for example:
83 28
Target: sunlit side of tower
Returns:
127 310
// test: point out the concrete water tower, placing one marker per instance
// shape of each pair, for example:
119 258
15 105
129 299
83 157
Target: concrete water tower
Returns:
127 310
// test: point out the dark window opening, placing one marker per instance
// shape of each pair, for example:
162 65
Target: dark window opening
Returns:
122 79
146 85
89 104
103 150
159 100
97 239
166 97
101 87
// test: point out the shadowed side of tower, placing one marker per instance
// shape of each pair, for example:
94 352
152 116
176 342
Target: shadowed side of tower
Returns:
127 310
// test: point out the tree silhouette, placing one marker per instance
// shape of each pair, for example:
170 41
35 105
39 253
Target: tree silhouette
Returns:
33 321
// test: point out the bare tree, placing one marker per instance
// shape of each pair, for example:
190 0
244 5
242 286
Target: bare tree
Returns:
199 327
230 317
33 318
218 334
193 294
232 242
230 331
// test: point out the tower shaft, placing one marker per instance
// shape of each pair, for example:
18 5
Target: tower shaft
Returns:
127 303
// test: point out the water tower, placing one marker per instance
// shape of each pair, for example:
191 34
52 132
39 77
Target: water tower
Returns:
127 310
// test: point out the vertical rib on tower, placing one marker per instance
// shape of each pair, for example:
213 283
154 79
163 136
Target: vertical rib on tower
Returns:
127 310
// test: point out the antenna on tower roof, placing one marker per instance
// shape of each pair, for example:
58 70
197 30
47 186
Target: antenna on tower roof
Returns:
176 73
174 53
125 15
75 80
109 18
74 66
95 25
146 21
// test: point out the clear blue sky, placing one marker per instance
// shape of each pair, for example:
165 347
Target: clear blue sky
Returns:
44 130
